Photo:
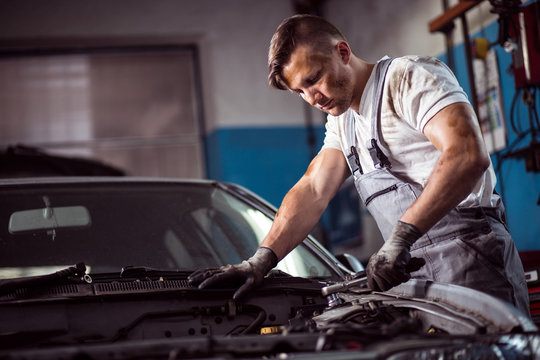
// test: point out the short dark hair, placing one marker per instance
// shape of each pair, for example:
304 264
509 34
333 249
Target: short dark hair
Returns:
297 30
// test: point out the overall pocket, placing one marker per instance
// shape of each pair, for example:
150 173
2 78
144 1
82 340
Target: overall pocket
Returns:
379 193
385 197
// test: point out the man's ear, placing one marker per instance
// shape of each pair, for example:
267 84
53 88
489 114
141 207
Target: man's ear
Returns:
344 51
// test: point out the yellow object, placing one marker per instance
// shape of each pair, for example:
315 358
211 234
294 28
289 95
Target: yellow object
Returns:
480 48
269 330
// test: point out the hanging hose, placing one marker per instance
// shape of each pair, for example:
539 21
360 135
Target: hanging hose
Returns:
257 322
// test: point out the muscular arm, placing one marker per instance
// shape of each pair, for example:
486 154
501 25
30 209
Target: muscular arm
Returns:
455 133
304 204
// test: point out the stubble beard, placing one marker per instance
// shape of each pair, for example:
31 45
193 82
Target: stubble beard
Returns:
344 99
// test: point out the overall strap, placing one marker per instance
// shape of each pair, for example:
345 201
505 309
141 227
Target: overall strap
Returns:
379 159
351 153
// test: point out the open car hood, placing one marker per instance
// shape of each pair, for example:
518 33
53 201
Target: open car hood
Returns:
158 232
285 317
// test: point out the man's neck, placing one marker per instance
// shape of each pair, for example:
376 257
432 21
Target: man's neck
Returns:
362 71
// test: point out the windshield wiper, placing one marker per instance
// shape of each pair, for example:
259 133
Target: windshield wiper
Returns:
75 273
145 271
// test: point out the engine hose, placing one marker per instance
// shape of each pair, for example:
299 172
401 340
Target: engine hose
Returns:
257 322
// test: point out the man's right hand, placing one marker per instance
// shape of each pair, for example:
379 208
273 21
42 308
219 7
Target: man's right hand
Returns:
392 264
249 273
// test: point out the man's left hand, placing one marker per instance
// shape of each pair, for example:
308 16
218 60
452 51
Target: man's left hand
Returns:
247 275
392 264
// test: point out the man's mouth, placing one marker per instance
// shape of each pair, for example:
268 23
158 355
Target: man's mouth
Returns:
327 105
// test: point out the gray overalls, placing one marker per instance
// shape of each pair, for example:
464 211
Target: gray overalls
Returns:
469 246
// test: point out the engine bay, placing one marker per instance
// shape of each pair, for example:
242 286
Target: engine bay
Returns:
163 316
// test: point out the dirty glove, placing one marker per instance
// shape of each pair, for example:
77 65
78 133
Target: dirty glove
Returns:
392 264
249 273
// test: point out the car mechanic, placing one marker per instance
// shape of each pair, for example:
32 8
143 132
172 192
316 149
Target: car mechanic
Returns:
406 131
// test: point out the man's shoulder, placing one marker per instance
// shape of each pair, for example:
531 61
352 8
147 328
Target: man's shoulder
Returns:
419 62
412 70
417 59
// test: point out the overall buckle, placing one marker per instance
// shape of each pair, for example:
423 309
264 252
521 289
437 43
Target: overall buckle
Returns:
379 159
354 161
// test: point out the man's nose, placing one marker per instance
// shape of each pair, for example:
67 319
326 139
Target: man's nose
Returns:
312 97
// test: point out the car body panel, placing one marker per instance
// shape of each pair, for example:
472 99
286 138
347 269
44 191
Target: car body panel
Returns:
144 310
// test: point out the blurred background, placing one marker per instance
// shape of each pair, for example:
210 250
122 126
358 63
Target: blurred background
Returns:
178 88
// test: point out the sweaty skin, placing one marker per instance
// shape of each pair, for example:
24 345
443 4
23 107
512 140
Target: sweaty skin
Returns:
454 131
306 201
331 82
335 83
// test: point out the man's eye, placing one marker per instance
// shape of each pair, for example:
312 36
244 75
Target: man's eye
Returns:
314 79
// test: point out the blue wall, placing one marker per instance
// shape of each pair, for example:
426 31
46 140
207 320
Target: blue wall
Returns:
266 160
269 160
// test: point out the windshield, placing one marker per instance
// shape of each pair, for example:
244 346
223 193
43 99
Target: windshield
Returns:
110 226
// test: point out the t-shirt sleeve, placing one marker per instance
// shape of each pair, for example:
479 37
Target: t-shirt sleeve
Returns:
331 136
427 87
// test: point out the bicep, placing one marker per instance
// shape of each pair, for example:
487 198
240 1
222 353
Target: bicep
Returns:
455 127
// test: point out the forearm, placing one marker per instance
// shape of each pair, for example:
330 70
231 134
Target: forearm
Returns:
298 214
451 181
304 204
454 131
453 178
462 163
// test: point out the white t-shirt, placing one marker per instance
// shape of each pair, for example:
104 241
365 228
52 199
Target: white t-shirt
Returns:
415 89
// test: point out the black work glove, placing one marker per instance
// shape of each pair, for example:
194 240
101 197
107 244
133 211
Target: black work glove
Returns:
392 264
249 273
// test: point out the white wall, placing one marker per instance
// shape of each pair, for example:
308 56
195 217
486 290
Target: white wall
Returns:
233 37
395 28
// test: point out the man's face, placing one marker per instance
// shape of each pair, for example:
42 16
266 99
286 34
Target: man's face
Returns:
322 79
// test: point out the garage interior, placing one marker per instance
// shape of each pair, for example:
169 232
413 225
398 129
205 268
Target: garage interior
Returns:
177 88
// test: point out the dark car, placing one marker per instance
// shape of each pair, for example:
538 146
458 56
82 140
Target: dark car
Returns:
96 268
